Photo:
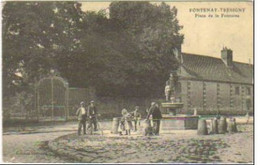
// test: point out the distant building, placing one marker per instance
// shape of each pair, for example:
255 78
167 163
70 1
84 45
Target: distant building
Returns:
209 83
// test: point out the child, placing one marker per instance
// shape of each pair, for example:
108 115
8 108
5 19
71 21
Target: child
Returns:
137 117
127 120
121 127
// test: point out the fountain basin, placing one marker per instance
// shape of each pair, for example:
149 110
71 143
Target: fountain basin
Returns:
172 121
179 122
172 105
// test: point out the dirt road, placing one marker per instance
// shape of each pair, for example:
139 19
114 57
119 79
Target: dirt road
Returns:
30 148
176 147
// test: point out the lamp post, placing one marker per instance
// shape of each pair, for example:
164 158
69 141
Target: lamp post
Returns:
52 97
66 101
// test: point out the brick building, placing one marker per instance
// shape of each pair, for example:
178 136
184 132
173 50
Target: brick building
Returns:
209 83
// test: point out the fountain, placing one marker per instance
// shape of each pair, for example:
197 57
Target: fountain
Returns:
172 120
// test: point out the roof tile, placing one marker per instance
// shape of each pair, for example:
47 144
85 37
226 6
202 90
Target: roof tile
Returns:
214 69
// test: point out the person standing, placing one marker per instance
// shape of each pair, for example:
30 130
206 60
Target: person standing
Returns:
154 110
92 114
127 120
82 116
137 116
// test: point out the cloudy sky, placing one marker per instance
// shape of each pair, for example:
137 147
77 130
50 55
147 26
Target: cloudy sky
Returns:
207 36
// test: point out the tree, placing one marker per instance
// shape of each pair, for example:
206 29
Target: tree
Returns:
155 29
128 53
36 37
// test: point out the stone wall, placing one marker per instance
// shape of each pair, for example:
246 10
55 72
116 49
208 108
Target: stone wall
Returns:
205 95
224 96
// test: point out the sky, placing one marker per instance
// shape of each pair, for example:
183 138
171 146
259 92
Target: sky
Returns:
205 35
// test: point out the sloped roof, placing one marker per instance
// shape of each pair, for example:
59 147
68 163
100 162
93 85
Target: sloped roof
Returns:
214 69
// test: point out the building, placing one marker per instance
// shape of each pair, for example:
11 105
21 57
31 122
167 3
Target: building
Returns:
209 83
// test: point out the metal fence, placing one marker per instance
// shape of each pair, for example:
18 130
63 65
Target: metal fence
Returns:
52 98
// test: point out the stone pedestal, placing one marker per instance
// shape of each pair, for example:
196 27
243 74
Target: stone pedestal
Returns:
171 121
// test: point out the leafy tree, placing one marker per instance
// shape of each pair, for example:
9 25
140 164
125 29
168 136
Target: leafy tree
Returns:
36 36
128 53
155 31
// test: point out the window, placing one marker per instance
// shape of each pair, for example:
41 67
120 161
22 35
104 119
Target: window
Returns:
248 91
237 91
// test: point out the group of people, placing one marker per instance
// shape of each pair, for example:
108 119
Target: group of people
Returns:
85 114
153 114
89 114
126 121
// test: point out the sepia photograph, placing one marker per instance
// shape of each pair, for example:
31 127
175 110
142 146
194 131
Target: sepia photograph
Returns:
128 82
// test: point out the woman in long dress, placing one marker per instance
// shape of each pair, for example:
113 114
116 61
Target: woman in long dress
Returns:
126 122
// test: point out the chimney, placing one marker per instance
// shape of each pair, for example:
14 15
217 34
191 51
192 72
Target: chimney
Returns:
227 56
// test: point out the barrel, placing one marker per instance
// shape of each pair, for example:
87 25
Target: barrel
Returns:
222 125
202 127
232 126
235 125
115 124
214 126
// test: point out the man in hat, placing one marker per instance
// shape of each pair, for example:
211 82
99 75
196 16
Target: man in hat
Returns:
154 110
92 114
82 116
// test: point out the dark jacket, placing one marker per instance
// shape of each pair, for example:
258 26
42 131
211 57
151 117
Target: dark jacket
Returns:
92 111
155 111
